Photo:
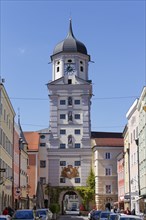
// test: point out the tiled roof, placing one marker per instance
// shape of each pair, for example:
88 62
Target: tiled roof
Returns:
108 139
32 139
119 142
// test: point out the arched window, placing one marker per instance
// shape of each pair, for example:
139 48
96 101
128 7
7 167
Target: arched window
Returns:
81 69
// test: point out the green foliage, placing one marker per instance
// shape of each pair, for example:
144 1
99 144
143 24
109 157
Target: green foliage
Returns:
86 192
54 207
91 180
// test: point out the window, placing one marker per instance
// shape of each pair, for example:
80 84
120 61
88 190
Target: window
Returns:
62 146
69 81
62 131
63 163
77 102
77 180
42 163
108 189
62 180
69 61
77 116
62 116
81 68
107 155
77 131
77 145
77 163
42 136
62 102
42 144
57 68
43 180
108 171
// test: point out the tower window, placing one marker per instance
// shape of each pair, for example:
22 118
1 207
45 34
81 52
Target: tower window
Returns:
77 163
62 146
81 62
62 102
77 116
77 145
69 81
77 180
63 163
77 131
62 131
77 102
81 68
57 68
62 116
58 62
62 180
69 61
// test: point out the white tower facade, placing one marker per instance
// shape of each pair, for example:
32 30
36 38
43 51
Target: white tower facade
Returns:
70 91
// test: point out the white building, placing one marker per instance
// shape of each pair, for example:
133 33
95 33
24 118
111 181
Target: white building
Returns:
133 120
70 91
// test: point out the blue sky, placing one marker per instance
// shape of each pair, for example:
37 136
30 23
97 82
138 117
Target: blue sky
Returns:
114 34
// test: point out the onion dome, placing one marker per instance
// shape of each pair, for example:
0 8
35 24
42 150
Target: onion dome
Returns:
70 44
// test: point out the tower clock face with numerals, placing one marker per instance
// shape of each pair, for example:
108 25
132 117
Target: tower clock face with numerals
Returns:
69 68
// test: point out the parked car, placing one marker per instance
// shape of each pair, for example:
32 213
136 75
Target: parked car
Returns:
113 216
90 214
96 214
24 214
44 214
127 217
104 215
5 217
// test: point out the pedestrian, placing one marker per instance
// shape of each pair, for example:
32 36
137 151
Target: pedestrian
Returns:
133 212
6 212
127 211
10 211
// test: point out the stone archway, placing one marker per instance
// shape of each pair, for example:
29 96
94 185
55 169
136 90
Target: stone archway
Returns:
69 200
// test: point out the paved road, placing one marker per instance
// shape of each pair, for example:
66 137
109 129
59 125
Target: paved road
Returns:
72 217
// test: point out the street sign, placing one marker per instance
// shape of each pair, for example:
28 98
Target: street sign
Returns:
2 169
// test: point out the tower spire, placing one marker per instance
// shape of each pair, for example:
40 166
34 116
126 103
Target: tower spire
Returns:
70 32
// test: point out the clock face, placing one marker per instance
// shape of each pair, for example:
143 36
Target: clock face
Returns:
69 69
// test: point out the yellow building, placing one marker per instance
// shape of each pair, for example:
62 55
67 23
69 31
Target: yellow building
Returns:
7 115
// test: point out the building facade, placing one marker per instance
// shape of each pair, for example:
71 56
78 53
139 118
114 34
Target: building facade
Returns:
7 115
142 148
70 91
106 147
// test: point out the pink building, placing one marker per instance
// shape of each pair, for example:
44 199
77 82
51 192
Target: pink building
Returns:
120 172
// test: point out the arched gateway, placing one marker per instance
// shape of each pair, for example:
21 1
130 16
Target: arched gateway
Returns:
69 202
